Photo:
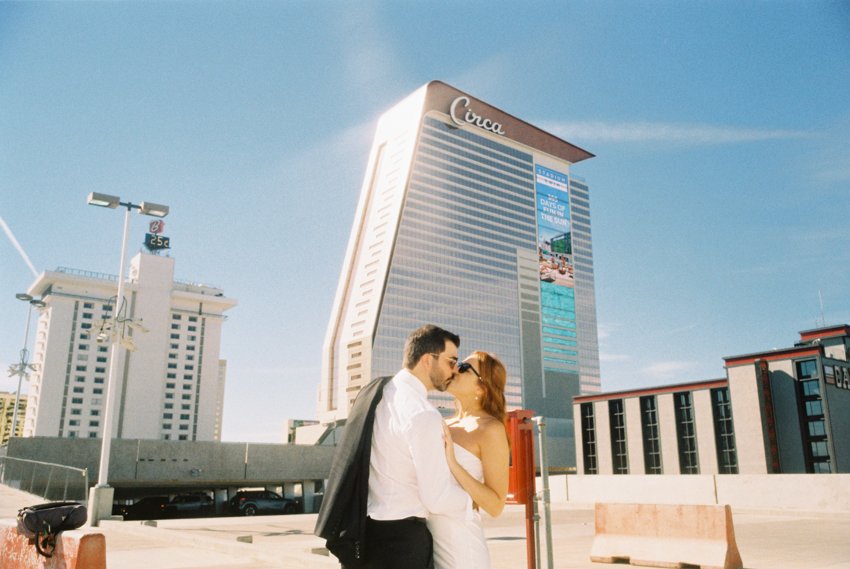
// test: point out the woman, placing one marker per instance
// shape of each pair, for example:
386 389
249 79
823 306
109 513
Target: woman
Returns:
478 455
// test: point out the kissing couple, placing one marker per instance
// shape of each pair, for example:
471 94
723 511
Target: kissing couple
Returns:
406 488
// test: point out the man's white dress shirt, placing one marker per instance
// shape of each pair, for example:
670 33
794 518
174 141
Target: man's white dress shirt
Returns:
408 473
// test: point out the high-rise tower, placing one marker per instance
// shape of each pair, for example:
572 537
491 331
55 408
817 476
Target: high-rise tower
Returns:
470 219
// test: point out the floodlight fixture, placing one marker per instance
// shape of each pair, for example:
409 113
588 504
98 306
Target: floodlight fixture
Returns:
103 200
154 209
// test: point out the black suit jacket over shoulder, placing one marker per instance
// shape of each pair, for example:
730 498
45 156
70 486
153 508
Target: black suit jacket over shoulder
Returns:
342 516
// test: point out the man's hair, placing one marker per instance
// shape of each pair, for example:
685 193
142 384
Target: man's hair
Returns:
428 339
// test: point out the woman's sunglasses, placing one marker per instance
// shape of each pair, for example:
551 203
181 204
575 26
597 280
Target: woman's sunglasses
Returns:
464 367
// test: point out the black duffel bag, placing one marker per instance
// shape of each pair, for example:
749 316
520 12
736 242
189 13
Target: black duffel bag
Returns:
43 522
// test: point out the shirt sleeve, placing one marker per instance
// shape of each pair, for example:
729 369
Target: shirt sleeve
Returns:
437 488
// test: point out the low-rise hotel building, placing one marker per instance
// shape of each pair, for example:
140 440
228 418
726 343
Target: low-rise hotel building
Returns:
778 411
170 387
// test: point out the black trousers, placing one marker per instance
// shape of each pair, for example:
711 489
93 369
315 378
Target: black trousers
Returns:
399 544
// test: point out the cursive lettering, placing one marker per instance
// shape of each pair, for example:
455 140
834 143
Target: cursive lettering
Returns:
471 117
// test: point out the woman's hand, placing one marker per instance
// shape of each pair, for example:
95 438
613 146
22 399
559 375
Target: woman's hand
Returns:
449 446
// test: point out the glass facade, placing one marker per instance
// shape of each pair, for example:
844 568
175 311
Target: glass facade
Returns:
724 431
619 446
588 439
686 433
469 207
651 436
469 215
812 418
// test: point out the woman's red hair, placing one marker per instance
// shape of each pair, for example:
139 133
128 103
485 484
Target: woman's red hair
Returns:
493 380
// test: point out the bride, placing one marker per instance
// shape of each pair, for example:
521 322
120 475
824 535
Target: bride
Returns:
478 455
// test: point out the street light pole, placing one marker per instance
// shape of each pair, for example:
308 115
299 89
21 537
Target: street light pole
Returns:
105 447
100 498
23 368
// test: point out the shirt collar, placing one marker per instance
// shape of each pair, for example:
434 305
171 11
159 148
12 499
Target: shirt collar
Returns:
407 378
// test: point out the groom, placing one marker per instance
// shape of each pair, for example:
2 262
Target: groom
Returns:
408 474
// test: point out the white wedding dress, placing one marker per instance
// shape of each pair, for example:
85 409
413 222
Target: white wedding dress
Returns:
459 542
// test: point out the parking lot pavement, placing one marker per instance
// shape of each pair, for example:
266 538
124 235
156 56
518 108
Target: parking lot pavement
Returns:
767 539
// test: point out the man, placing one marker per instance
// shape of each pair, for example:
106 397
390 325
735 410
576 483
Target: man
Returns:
408 473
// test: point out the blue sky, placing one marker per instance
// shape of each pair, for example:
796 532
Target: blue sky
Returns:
720 191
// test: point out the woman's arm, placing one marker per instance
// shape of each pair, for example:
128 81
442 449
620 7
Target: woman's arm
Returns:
495 455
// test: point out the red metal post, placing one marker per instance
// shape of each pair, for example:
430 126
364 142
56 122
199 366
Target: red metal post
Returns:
521 474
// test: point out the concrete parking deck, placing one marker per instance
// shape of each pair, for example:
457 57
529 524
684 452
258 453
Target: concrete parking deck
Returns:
767 539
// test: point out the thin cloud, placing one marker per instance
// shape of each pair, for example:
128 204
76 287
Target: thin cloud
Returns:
667 132
668 369
606 357
18 247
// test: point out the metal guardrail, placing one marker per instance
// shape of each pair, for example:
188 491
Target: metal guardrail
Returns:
53 482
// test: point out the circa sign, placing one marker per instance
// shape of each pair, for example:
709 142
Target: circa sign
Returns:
470 117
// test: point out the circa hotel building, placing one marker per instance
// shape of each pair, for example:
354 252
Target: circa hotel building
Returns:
470 219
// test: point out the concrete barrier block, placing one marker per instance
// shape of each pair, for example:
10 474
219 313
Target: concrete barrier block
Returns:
663 535
76 549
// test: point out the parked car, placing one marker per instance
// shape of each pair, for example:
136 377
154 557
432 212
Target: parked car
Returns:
147 508
253 502
190 505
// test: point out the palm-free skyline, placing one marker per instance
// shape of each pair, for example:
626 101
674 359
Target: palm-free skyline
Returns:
720 190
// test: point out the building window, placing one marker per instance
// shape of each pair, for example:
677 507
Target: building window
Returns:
74 423
97 391
166 426
77 400
187 396
94 423
175 336
76 411
100 370
88 305
686 433
98 380
651 437
171 376
175 326
176 317
169 386
193 319
588 439
724 431
169 405
79 389
184 417
812 419
168 415
619 449
94 412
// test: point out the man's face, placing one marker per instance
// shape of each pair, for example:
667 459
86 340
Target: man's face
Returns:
443 367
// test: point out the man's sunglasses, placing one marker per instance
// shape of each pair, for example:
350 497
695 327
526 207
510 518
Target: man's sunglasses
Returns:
464 367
